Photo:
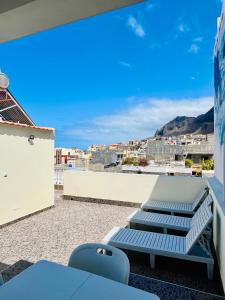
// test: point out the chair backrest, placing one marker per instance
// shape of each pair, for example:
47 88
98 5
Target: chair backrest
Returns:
1 280
199 226
207 202
199 198
103 260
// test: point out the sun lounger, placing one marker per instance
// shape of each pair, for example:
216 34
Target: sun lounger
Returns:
194 247
166 221
175 207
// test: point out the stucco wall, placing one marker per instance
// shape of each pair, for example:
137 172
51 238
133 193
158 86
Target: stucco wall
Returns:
26 171
216 190
131 187
219 105
217 184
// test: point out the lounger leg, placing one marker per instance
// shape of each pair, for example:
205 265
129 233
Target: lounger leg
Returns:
210 268
152 261
165 230
172 213
131 225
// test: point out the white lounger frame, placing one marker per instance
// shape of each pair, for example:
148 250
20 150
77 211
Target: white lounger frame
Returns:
175 207
194 247
166 221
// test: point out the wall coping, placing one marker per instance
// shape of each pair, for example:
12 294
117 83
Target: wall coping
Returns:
216 190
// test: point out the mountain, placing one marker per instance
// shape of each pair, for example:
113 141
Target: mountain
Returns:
202 124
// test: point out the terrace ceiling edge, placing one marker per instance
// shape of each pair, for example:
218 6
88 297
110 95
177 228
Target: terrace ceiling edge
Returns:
19 18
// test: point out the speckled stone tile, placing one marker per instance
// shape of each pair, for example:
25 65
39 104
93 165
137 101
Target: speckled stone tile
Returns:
15 269
176 271
169 291
54 233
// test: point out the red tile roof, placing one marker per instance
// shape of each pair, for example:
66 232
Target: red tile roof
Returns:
26 126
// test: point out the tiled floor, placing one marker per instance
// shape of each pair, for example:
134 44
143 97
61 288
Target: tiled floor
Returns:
169 291
180 272
53 234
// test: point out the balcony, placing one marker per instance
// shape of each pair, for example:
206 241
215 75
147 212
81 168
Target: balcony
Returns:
35 226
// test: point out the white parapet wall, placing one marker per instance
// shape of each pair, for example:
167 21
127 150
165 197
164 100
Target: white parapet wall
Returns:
216 190
135 188
26 170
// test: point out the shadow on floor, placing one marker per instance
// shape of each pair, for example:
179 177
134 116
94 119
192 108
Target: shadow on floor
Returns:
168 291
179 272
15 269
3 266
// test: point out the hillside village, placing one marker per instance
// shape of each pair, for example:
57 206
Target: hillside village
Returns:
183 146
185 154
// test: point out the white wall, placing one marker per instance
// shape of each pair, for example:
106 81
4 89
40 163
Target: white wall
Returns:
219 106
26 171
217 184
216 190
131 187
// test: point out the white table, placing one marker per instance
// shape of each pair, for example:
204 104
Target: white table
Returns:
46 280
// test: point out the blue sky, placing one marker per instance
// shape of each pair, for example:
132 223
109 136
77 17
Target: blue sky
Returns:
119 75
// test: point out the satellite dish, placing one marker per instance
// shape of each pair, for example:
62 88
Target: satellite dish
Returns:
4 81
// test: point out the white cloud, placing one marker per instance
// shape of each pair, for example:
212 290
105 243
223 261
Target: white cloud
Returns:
198 39
140 120
136 27
183 28
124 64
194 48
150 6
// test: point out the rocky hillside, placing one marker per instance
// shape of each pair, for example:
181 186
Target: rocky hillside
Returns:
202 124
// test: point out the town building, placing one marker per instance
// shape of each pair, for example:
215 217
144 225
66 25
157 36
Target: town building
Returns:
64 155
196 148
106 157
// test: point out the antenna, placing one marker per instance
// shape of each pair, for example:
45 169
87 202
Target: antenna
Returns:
4 81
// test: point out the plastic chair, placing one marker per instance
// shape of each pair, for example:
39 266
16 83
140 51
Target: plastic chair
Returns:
103 260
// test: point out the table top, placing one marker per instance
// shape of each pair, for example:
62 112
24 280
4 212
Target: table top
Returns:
46 280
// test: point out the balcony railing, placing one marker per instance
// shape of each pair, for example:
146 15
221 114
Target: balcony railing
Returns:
58 180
